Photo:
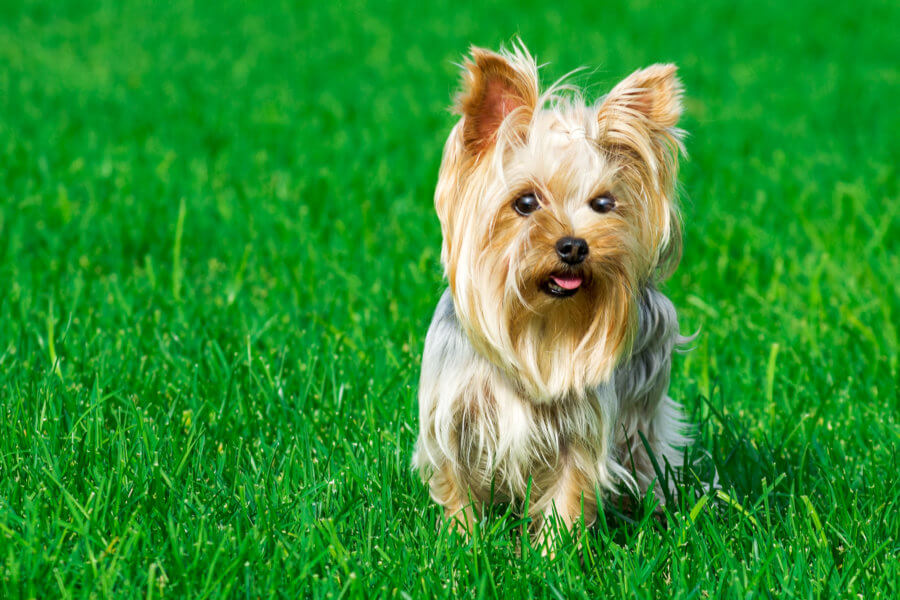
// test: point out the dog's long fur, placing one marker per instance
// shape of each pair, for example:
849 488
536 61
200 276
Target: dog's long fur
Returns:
516 384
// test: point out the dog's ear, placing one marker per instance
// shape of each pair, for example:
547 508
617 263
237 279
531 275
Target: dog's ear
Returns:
495 87
638 125
652 95
639 115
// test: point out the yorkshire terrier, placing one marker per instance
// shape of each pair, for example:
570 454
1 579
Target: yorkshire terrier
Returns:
546 365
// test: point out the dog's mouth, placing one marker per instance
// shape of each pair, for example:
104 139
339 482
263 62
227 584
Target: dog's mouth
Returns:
563 285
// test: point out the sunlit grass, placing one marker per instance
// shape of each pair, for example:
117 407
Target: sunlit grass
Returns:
218 260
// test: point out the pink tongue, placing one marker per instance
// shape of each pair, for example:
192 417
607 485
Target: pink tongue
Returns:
567 283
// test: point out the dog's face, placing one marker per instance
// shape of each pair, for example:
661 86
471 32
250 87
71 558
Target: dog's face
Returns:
554 218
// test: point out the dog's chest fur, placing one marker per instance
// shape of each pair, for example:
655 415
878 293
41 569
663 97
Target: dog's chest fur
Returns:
497 438
477 423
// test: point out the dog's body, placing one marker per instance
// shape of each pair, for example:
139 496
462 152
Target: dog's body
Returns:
547 363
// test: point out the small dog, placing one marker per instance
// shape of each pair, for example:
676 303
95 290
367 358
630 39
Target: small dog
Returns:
546 366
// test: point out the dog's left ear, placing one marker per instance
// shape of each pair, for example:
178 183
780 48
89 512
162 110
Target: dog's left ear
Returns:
495 87
638 124
644 107
653 94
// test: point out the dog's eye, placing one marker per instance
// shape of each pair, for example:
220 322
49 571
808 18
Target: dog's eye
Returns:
526 204
603 203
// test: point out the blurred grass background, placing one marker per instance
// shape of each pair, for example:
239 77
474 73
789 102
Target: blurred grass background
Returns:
218 260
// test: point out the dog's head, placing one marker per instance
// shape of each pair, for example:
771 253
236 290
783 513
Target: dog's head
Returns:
555 213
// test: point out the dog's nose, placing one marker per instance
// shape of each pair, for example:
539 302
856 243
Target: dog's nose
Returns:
571 250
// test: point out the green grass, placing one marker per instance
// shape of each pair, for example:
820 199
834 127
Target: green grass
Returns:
219 257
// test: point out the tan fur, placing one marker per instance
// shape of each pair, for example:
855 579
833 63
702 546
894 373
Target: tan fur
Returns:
519 385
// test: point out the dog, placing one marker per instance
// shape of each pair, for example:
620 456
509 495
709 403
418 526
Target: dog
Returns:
546 366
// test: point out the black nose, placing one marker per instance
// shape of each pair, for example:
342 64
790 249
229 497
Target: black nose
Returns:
571 250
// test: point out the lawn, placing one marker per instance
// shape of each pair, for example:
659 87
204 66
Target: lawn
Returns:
219 257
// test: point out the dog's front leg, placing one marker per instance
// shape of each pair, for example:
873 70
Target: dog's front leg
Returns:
563 502
459 509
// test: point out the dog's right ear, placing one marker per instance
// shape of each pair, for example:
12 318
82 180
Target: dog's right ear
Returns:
496 87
